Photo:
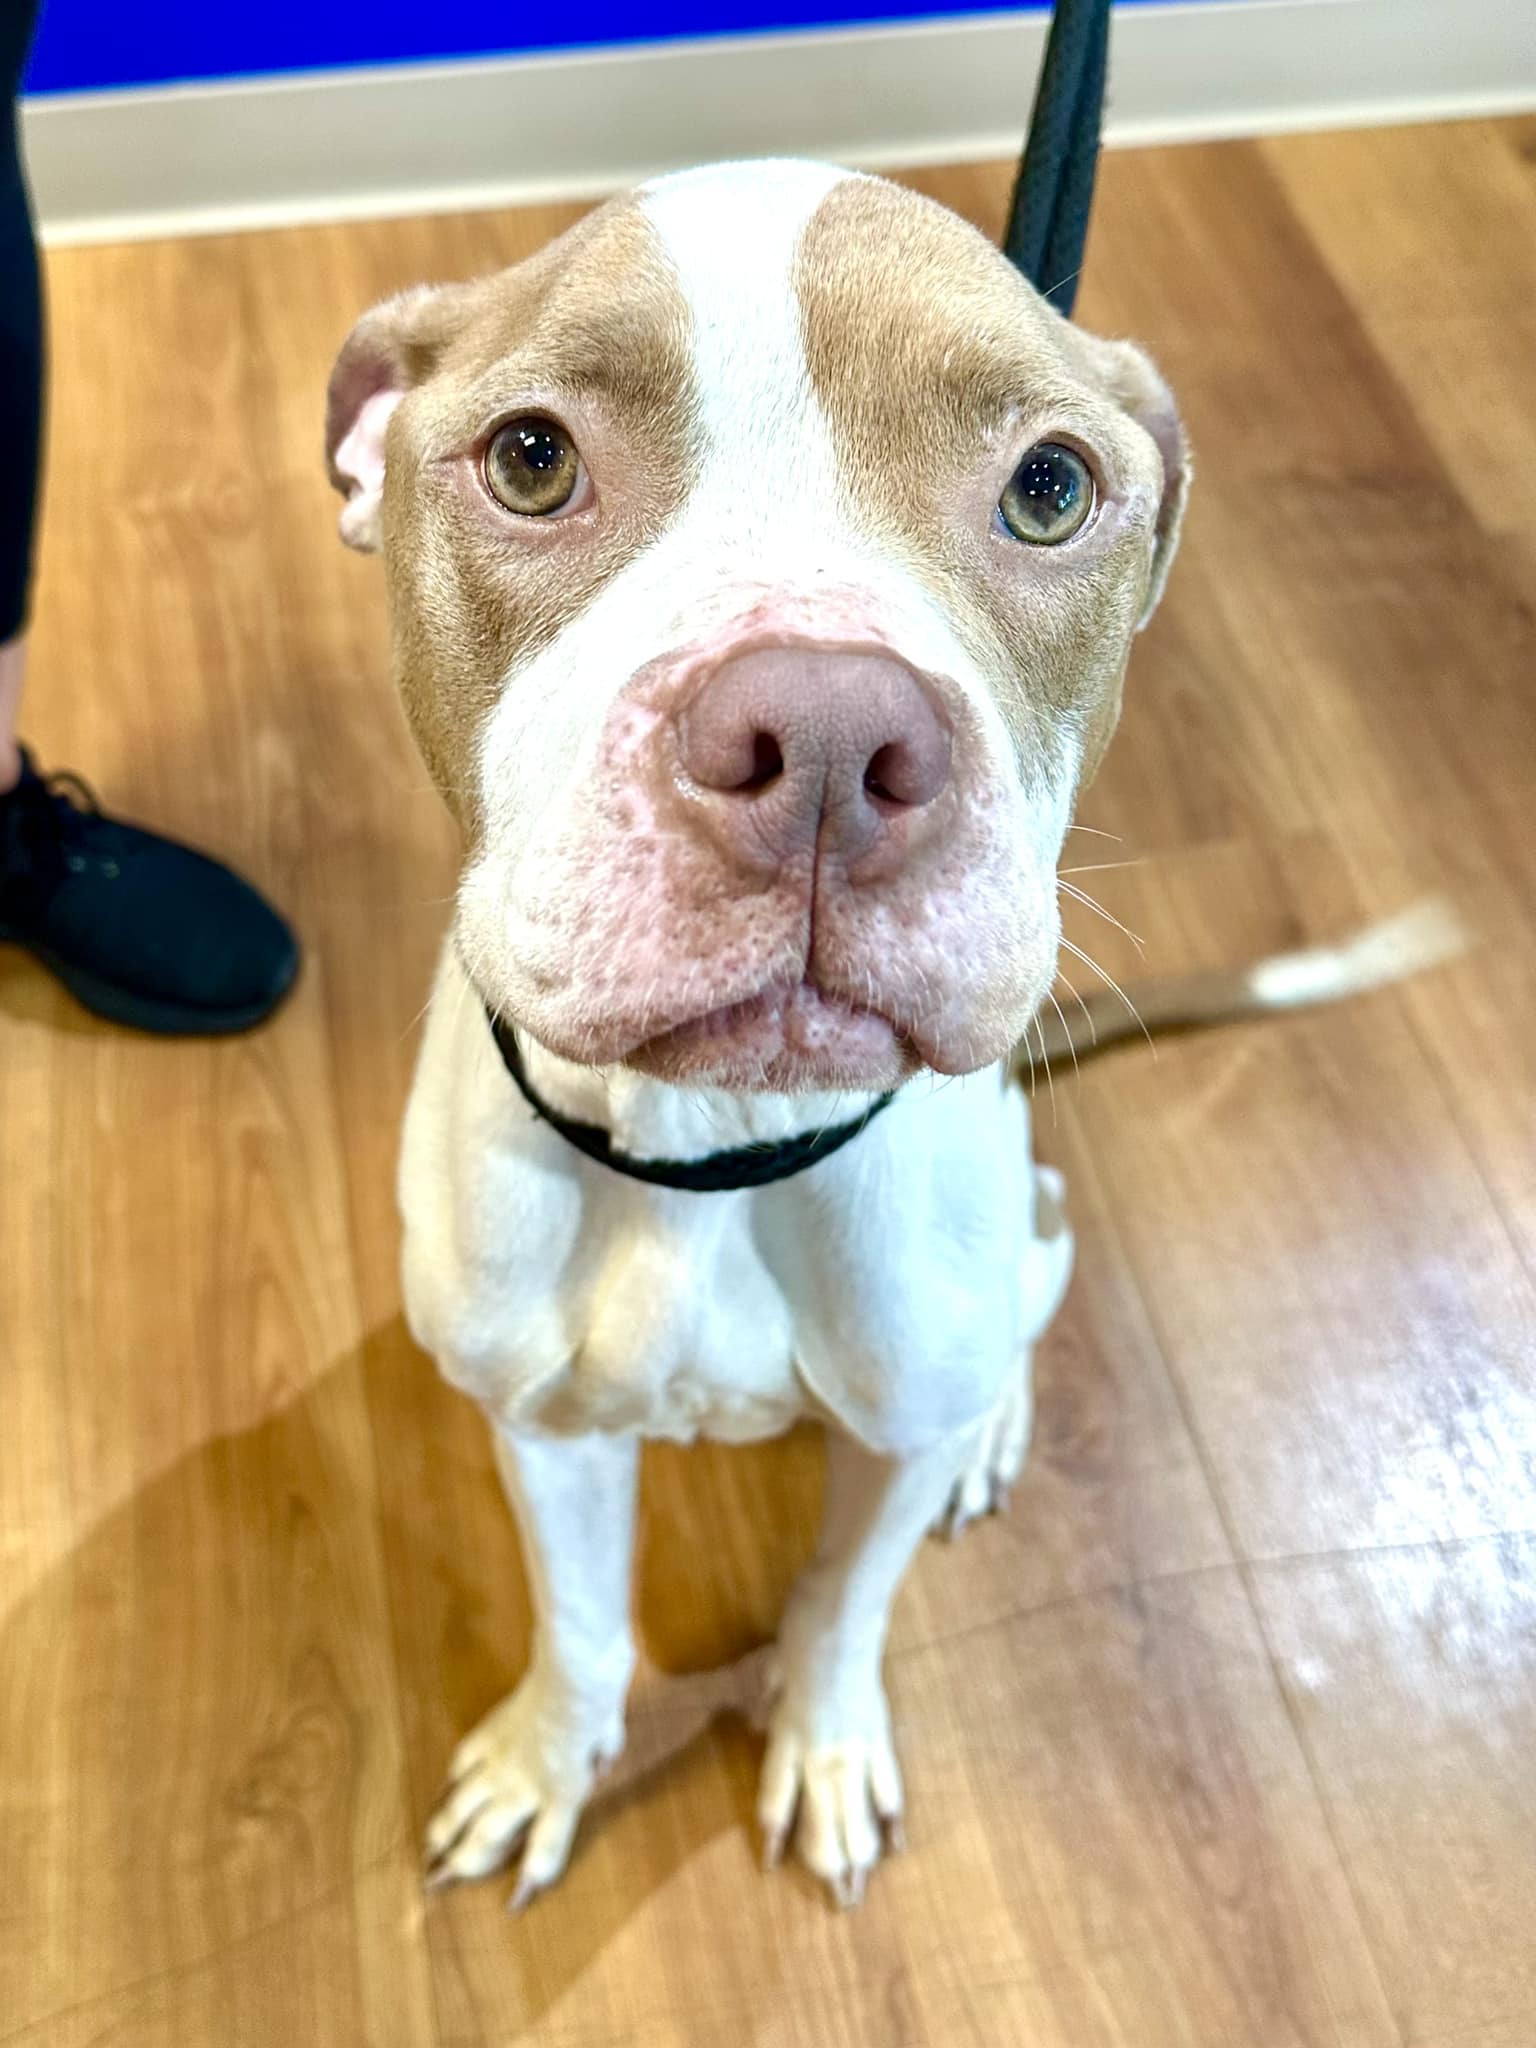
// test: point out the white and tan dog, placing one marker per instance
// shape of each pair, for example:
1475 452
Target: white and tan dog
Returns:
763 559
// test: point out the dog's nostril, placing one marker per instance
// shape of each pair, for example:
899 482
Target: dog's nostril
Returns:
767 761
896 775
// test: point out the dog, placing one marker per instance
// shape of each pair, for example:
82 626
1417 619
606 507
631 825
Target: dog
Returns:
763 559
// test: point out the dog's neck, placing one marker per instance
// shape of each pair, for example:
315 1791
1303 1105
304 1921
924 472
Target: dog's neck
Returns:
655 1120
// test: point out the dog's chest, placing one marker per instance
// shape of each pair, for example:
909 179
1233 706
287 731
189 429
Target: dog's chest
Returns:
889 1289
677 1332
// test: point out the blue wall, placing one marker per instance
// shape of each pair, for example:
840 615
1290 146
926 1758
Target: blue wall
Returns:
87 44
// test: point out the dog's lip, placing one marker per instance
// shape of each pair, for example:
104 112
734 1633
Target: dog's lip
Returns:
861 1046
774 1000
800 1029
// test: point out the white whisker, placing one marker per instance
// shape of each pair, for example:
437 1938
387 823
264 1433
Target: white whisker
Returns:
1067 279
1093 1029
1050 1078
1050 997
1110 982
1081 896
411 1026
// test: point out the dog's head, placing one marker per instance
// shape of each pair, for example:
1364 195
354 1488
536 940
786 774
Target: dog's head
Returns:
763 558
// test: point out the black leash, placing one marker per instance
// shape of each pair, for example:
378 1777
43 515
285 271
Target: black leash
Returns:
743 1166
1048 222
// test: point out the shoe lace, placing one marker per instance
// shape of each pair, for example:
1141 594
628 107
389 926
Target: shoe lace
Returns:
73 789
46 832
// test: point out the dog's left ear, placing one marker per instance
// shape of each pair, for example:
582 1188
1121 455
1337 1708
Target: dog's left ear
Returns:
1129 376
387 353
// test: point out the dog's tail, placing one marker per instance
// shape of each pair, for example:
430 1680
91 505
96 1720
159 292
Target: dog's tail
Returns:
1421 936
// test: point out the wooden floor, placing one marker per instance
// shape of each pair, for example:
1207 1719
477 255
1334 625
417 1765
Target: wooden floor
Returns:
1226 1736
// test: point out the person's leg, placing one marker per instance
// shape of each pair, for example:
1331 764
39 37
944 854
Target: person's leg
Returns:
139 929
21 384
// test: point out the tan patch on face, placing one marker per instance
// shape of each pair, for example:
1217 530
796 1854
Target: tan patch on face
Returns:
936 366
594 332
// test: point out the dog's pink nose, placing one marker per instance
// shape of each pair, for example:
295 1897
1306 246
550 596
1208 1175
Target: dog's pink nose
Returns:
792 744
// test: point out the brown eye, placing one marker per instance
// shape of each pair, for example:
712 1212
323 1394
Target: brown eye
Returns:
531 466
1049 496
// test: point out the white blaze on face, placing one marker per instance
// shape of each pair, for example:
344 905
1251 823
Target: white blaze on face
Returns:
731 235
769 507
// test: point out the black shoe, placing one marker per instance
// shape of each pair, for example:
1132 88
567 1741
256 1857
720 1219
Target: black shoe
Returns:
140 929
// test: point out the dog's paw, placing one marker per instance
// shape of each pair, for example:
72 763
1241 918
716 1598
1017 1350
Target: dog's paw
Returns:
997 1456
521 1777
837 1790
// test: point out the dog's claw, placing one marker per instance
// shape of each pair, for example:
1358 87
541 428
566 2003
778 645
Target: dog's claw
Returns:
841 1800
517 1786
985 1485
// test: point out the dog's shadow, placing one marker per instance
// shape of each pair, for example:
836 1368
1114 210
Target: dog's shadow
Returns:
236 1697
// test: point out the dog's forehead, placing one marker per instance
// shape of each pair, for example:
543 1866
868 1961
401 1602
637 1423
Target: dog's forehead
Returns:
796 270
904 303
597 310
753 282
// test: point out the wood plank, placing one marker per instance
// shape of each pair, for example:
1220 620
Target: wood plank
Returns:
1412 1676
1365 654
1321 1257
314 1977
1447 310
1120 1839
220 1749
1508 2033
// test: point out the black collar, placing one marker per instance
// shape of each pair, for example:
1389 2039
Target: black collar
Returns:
743 1166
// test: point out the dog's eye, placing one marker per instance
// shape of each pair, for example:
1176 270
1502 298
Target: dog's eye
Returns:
1049 496
532 467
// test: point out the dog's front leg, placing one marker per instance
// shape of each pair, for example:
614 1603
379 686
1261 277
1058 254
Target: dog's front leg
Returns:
830 1755
529 1766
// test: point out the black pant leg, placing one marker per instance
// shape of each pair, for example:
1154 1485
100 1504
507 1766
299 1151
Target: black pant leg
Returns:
21 333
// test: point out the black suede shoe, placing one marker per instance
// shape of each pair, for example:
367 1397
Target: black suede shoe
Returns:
140 929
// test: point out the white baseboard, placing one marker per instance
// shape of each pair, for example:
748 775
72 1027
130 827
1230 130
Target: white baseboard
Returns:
322 146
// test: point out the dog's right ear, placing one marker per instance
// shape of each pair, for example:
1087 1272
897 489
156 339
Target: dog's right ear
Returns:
387 353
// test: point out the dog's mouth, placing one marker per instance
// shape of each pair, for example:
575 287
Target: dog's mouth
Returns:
787 1040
